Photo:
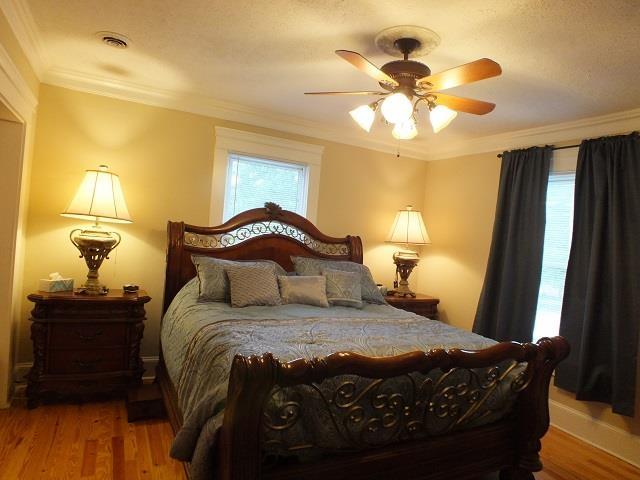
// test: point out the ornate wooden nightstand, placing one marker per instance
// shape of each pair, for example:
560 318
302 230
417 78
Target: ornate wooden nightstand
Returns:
421 305
85 344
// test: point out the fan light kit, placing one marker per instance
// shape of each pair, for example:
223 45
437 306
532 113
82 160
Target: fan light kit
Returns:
408 83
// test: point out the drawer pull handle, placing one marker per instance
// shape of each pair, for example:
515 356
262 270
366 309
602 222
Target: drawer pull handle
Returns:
88 338
88 364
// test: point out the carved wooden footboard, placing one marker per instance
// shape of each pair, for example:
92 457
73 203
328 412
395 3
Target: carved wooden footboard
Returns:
510 445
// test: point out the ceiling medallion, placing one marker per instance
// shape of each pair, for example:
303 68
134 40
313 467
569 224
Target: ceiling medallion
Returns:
409 84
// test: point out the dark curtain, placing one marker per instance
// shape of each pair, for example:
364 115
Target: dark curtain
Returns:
507 306
601 308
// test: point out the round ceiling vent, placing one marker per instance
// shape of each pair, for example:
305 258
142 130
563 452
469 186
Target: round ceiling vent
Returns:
113 39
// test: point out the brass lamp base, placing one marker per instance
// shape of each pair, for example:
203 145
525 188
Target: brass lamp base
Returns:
405 262
94 245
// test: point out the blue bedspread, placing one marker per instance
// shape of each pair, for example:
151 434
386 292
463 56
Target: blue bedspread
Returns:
199 341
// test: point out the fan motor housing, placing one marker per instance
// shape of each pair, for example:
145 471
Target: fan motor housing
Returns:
405 72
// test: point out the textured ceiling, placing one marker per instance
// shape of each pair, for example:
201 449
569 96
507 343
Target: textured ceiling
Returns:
562 60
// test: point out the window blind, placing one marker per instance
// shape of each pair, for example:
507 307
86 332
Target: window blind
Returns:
557 243
253 181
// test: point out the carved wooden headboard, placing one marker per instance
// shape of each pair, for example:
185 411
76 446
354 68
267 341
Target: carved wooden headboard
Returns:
262 233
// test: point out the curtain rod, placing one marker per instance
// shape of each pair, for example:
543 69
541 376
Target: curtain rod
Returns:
554 148
634 132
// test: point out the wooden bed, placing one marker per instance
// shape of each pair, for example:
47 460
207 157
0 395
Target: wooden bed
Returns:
510 445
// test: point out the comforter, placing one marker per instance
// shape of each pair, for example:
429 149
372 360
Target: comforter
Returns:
346 413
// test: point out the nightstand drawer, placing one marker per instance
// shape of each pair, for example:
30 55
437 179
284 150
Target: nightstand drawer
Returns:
429 311
87 361
423 305
87 335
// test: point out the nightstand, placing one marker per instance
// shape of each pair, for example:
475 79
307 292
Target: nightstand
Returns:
421 305
84 344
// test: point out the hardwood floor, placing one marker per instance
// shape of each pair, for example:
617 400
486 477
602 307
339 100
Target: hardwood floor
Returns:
94 441
90 441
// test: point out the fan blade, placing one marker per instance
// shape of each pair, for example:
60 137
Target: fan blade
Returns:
467 105
467 73
346 93
366 66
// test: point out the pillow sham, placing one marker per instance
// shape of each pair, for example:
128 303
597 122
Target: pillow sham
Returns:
311 290
343 288
213 281
252 285
314 266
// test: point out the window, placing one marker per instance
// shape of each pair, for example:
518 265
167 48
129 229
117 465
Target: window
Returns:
250 169
557 243
253 181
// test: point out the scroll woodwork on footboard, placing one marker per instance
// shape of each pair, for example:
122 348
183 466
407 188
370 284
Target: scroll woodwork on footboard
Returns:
515 441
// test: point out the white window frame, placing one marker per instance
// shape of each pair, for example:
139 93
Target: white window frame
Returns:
231 141
564 161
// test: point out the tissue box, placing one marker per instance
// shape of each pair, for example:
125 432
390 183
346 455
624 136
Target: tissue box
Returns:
61 285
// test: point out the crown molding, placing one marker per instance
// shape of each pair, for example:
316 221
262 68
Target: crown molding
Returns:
19 97
204 105
557 133
26 31
610 124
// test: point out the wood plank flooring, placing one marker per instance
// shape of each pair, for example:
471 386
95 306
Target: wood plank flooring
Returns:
94 441
90 441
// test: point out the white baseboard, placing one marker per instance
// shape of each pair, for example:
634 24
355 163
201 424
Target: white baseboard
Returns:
604 436
21 369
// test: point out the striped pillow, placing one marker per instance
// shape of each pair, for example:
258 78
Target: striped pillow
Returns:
252 285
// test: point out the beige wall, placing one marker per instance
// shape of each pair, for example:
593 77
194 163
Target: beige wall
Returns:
459 206
164 159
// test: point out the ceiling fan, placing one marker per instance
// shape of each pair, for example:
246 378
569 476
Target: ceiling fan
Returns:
405 80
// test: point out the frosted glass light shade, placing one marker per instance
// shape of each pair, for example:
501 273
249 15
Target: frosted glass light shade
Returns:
364 116
405 130
408 228
99 198
440 117
396 108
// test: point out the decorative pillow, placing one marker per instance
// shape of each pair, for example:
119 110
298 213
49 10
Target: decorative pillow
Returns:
213 281
310 290
343 288
253 285
314 266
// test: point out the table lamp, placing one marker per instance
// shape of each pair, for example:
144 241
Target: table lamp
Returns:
100 199
408 228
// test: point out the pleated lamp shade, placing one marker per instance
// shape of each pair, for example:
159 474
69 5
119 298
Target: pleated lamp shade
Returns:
99 198
408 228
